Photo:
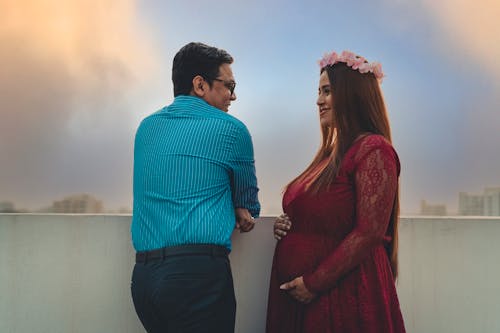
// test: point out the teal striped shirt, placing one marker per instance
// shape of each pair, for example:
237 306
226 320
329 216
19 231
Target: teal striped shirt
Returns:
193 165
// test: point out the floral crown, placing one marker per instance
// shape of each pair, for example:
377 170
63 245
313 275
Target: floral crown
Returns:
354 61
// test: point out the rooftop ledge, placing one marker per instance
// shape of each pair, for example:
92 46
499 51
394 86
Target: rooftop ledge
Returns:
71 273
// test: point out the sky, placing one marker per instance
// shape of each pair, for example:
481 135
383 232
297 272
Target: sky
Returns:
77 77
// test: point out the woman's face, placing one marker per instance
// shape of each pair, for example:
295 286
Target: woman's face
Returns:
325 101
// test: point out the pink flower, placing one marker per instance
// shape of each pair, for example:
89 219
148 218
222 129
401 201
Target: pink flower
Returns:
377 70
328 59
365 68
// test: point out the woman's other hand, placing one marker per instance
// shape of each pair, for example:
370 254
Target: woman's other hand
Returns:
281 225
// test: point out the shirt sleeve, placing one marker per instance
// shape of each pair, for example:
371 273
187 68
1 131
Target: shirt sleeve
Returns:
243 178
376 182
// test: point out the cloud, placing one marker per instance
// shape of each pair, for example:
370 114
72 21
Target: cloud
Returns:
70 76
471 26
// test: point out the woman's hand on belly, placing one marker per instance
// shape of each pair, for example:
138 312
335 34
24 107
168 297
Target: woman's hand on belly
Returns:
297 289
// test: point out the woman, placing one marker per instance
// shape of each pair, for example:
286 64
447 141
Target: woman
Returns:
335 268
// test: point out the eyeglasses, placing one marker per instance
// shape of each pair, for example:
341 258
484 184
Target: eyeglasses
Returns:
228 84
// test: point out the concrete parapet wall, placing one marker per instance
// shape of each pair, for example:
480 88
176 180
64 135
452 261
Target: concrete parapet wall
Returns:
71 273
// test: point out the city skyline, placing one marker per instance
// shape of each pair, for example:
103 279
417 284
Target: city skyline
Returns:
78 76
486 203
76 203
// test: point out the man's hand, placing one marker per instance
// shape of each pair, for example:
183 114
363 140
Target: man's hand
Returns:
244 220
297 289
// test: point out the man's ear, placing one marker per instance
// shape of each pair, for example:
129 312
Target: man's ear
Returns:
199 86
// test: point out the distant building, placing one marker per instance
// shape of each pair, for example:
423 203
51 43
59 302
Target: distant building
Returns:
470 204
125 210
78 204
432 209
486 204
491 201
7 207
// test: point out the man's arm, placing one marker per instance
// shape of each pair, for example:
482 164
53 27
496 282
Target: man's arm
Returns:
244 181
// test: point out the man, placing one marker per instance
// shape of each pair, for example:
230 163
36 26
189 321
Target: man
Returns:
194 182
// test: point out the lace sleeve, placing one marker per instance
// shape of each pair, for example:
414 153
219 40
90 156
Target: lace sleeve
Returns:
376 181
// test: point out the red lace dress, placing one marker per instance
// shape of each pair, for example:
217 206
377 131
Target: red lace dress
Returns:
337 243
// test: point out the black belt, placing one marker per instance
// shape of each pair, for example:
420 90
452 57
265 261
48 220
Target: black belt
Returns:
192 249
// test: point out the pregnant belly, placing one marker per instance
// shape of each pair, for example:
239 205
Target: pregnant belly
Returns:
297 254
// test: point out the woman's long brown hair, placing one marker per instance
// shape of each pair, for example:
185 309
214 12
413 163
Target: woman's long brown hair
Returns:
358 108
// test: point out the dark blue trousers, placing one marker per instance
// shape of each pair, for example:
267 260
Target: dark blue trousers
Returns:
185 294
